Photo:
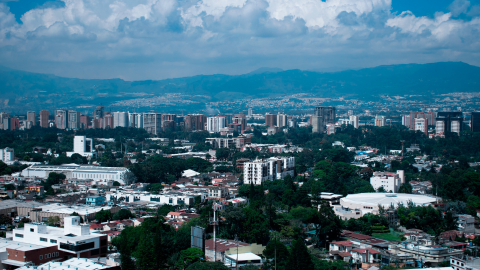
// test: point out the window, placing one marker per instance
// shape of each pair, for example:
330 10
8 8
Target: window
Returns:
43 239
53 241
56 254
19 235
94 252
40 257
32 229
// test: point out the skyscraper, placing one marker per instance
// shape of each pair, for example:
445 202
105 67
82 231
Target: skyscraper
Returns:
448 122
120 119
379 121
354 121
61 118
271 120
73 120
215 124
195 122
323 116
31 119
152 122
475 122
44 118
98 113
281 120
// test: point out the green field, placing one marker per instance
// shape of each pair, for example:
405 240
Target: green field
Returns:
392 236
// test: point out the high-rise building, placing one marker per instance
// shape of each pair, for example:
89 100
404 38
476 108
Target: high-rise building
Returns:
448 122
228 118
408 120
475 122
321 117
379 121
152 122
97 123
421 124
271 120
250 112
73 120
120 119
281 120
44 114
240 119
85 121
7 154
108 121
195 122
31 119
99 112
354 121
216 123
61 118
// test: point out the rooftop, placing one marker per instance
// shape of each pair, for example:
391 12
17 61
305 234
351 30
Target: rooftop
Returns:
73 263
387 199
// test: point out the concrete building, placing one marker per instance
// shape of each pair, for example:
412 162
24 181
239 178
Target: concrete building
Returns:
7 155
73 263
120 119
354 121
389 181
357 205
135 120
321 117
108 121
95 200
271 120
448 122
31 119
282 120
99 112
73 120
421 124
380 121
74 240
475 122
216 123
172 198
82 146
152 123
44 114
258 171
195 122
61 118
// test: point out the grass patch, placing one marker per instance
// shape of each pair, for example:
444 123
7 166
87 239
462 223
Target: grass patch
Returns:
391 236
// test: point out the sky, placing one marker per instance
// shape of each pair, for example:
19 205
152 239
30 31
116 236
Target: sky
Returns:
159 39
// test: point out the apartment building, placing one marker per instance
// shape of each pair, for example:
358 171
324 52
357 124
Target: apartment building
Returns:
258 171
389 181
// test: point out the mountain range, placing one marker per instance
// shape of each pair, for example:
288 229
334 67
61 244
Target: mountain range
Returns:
22 91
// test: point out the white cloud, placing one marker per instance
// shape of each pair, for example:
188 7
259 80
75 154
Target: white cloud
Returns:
232 36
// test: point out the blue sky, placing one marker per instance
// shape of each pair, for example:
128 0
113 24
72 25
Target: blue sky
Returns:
156 39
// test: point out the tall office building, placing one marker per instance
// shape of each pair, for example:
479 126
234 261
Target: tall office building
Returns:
216 123
475 122
152 122
44 114
271 120
250 112
120 119
408 120
354 121
379 121
322 117
107 121
85 121
31 119
282 120
448 122
240 119
99 112
421 124
61 118
195 122
73 120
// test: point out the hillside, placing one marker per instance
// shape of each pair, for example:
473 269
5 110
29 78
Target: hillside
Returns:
21 91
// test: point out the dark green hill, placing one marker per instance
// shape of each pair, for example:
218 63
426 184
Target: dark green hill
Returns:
21 91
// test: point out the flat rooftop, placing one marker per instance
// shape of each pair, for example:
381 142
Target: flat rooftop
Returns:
4 244
60 234
73 263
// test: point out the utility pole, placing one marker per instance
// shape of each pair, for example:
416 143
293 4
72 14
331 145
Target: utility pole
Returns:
236 262
403 146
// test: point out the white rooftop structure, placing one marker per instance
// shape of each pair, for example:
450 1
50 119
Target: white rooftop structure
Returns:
82 146
189 173
357 205
73 263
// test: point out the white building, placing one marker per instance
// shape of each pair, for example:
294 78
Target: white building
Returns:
120 119
82 146
171 198
258 171
282 120
74 238
421 124
7 155
135 120
100 175
216 123
354 121
379 121
390 182
357 205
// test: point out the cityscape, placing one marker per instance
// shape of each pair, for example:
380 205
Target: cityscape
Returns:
240 134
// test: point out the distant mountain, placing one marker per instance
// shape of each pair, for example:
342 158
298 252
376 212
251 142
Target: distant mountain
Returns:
22 91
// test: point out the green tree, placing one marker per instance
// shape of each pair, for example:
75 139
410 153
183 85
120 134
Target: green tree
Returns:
123 214
116 184
53 221
188 257
165 209
299 257
207 266
103 215
275 250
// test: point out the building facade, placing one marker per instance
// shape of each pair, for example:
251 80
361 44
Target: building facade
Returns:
321 117
258 171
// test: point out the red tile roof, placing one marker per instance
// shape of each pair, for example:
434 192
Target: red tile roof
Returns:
364 250
223 245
